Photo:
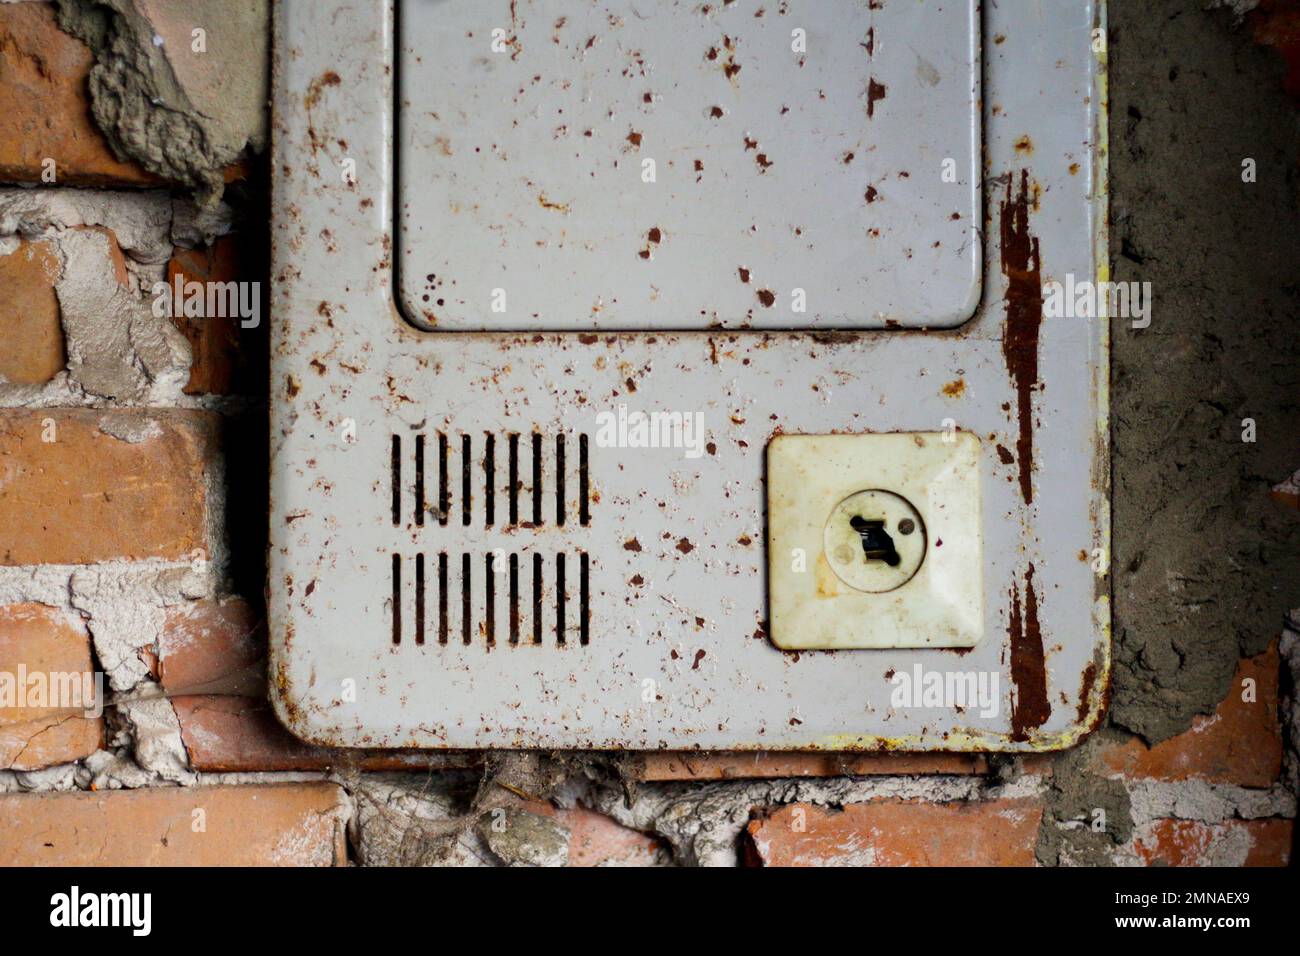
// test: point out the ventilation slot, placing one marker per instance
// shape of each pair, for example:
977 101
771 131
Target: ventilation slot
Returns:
397 599
396 466
419 480
542 606
545 487
419 599
444 489
584 497
442 598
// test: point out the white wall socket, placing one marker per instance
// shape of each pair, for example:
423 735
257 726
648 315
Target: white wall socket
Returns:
874 540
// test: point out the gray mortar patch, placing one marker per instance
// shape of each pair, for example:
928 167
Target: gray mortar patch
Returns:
181 113
1086 817
521 838
1204 564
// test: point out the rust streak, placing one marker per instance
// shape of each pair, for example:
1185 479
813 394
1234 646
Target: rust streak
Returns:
1024 301
1085 689
1030 707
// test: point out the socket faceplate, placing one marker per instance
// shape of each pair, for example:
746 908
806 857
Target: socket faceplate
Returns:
822 598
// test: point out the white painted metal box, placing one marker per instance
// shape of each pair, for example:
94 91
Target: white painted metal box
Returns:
676 375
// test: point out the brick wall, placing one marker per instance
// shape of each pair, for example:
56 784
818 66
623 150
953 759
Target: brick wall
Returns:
132 514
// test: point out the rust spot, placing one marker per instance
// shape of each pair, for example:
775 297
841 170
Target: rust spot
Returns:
699 656
872 194
1024 301
767 297
744 274
1005 456
684 546
1085 689
835 338
328 78
653 238
1030 707
631 544
716 112
730 68
634 138
1025 145
547 204
876 91
955 388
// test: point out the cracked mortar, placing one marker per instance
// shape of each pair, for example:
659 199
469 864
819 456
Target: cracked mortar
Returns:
117 347
118 350
1204 564
178 85
124 605
447 819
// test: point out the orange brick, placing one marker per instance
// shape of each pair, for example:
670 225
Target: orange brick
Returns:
299 824
741 766
596 840
214 647
898 833
88 496
1288 498
45 105
1192 843
214 342
1240 744
45 641
29 315
241 734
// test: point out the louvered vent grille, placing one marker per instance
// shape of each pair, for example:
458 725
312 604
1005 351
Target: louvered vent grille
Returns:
448 594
